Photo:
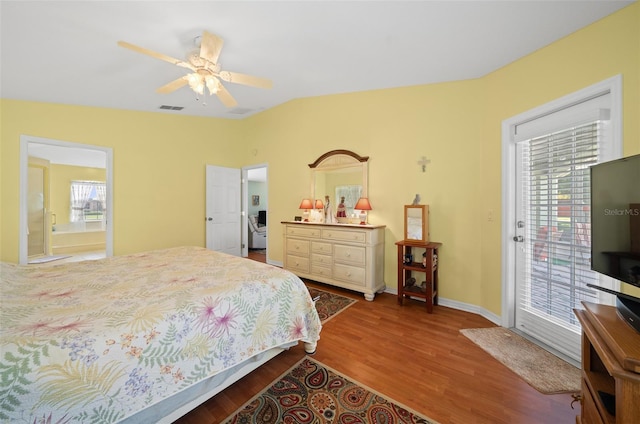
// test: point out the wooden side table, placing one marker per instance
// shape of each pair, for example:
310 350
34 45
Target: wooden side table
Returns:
428 290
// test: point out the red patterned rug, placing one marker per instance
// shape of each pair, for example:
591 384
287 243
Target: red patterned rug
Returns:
311 392
328 304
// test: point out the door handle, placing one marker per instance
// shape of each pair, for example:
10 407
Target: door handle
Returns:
208 219
518 239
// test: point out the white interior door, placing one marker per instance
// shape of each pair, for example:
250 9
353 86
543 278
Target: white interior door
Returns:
223 210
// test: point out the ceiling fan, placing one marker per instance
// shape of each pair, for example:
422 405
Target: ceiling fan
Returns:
205 70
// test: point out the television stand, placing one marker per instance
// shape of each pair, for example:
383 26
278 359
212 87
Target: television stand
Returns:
610 367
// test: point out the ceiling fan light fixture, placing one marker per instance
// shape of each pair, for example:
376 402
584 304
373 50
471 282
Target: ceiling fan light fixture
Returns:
196 83
212 84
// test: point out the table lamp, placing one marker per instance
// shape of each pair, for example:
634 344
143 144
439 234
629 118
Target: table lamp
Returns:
306 204
363 206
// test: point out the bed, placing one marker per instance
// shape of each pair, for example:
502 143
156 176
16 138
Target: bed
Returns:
143 337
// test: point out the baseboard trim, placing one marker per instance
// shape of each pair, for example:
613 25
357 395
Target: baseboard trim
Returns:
461 306
467 307
449 303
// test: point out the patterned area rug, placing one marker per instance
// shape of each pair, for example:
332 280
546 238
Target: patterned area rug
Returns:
311 392
544 371
328 304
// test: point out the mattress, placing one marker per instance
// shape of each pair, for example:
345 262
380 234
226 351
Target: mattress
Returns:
100 341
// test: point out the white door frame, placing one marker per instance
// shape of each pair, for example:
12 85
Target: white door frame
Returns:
245 207
508 248
24 163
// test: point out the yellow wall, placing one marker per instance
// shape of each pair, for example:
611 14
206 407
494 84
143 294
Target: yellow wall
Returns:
458 127
595 53
395 128
159 158
60 189
159 168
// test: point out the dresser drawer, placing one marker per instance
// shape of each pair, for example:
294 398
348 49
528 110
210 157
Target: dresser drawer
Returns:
320 270
303 232
350 254
298 247
319 259
350 274
344 235
297 263
319 247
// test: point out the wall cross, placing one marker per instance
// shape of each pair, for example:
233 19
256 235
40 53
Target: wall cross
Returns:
423 163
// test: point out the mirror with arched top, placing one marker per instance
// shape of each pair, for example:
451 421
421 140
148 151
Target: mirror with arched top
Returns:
338 174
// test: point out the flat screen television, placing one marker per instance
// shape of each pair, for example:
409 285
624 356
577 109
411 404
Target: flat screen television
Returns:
615 228
615 219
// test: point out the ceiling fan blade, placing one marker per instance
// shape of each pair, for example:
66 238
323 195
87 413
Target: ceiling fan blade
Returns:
155 54
225 97
237 78
173 85
210 47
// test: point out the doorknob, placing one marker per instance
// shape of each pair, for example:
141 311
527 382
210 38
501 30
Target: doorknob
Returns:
209 219
518 239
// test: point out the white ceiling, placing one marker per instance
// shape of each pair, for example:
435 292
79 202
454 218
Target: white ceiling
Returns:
66 52
64 155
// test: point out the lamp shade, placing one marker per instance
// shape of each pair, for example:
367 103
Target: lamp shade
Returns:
363 204
306 204
319 204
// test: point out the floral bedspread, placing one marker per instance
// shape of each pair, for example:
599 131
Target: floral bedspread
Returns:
97 341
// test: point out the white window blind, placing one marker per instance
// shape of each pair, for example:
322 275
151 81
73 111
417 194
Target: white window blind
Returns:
556 200
351 194
591 109
88 201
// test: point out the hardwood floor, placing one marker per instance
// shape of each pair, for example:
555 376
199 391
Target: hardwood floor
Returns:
420 360
257 255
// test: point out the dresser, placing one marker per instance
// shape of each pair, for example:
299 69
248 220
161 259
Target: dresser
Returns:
350 256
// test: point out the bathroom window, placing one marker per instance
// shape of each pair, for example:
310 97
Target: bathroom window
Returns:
351 194
88 201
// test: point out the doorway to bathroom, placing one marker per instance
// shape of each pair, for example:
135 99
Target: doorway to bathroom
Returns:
55 225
